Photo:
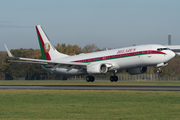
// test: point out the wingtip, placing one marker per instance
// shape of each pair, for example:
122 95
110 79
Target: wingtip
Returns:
9 53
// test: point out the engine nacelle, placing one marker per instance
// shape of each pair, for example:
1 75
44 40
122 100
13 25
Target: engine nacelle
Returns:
97 68
138 70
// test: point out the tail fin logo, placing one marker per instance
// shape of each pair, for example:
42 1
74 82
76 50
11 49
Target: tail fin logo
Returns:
47 47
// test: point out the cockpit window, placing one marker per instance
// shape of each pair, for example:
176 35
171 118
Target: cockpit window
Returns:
160 49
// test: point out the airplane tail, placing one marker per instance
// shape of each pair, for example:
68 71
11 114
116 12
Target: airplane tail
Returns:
47 49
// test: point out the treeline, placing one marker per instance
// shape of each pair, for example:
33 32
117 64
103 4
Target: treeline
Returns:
12 71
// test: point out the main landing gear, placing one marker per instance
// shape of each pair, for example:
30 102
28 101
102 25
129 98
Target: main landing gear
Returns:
114 78
90 78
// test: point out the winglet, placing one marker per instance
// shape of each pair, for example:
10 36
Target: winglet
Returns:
9 53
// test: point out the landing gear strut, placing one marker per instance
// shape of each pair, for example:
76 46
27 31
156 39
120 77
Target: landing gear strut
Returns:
114 78
90 78
159 70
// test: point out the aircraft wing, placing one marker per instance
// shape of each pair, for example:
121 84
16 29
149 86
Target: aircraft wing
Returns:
41 62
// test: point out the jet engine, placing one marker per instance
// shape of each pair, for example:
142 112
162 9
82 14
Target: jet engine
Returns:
138 70
97 68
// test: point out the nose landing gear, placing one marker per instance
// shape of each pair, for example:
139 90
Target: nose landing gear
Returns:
161 65
159 70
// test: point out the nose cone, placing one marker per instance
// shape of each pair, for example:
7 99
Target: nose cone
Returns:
171 54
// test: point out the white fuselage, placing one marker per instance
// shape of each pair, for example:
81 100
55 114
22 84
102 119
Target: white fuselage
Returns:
120 59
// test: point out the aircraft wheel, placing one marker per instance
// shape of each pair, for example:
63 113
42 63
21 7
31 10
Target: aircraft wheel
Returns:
115 78
159 70
88 78
92 78
112 78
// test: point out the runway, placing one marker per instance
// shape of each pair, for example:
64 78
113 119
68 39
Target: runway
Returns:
93 87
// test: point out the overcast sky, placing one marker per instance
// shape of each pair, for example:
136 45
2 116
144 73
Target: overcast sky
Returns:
106 23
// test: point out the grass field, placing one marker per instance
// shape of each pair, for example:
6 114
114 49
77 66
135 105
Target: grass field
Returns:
27 104
89 105
83 82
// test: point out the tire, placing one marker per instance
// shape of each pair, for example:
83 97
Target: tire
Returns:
115 78
159 71
112 78
92 78
88 78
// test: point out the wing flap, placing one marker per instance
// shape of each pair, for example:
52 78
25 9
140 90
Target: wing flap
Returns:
46 62
28 62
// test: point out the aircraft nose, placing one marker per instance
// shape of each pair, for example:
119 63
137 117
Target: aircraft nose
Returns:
171 54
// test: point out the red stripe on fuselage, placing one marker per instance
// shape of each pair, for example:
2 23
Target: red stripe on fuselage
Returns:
121 55
42 43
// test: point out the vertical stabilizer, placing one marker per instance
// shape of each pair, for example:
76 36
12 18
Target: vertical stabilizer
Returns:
47 49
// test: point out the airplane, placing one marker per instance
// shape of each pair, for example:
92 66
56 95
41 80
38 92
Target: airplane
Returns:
134 59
